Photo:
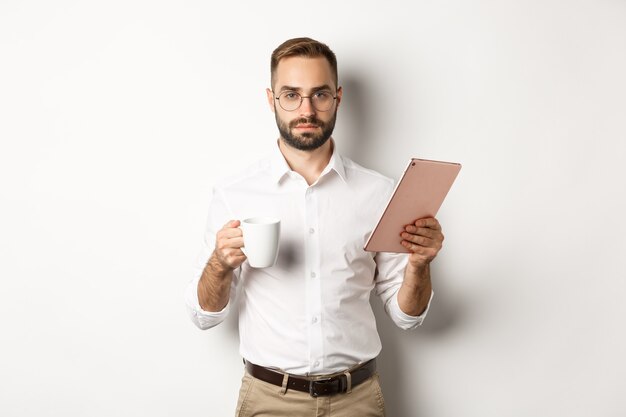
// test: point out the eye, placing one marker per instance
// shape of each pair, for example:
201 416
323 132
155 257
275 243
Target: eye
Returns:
290 95
323 95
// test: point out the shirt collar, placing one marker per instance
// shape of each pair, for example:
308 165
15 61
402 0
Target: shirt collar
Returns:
279 166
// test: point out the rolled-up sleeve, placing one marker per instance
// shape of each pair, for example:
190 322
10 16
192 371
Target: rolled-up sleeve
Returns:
201 318
219 214
390 274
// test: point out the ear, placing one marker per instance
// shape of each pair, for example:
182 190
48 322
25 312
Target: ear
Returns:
339 95
270 99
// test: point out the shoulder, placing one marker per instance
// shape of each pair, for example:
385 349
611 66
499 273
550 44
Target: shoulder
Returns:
358 174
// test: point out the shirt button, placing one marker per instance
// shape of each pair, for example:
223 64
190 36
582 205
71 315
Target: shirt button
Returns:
311 230
313 275
316 364
314 320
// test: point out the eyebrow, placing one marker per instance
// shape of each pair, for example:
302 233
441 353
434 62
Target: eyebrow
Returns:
298 89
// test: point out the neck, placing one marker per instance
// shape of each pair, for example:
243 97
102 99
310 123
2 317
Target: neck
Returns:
309 164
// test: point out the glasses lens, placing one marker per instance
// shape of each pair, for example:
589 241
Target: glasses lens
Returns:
322 100
289 100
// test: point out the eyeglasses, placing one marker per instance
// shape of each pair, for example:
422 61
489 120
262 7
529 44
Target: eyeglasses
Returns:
320 100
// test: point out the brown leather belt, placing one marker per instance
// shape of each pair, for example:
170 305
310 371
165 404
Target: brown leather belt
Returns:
316 386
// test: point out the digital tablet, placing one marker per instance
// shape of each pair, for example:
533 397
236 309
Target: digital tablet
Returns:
419 194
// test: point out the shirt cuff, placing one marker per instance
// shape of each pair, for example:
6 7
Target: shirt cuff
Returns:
202 318
403 320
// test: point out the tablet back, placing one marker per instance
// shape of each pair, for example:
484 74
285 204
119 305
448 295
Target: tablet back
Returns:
419 194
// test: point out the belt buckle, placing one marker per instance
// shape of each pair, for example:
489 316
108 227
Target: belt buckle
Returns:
321 383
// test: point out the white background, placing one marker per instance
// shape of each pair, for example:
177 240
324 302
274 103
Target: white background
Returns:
116 117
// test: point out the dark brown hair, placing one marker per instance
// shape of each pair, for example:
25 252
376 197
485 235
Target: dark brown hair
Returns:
305 47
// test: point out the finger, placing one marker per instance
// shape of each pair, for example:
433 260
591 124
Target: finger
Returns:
229 233
419 240
429 222
229 243
235 254
234 258
422 231
414 248
427 253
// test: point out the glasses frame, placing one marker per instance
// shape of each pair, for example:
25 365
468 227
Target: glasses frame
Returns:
277 98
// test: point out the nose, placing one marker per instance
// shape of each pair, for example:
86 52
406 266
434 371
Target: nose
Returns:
306 107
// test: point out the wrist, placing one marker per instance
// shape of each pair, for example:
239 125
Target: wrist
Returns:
218 268
417 277
418 271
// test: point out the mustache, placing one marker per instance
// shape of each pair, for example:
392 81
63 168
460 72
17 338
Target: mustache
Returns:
307 121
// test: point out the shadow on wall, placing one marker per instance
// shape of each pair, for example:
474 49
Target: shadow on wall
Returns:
402 391
357 116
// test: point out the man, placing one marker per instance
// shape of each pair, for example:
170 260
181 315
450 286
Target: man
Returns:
307 332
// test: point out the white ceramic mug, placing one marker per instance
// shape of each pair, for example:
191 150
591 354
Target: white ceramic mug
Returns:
260 240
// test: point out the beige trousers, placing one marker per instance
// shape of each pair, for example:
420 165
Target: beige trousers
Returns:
260 399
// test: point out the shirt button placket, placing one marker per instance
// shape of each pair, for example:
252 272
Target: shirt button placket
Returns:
314 300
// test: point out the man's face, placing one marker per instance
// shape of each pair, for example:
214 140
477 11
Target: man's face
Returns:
305 128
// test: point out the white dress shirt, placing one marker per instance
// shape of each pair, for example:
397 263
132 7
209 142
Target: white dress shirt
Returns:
309 313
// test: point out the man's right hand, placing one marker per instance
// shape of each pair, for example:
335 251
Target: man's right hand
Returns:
214 285
228 244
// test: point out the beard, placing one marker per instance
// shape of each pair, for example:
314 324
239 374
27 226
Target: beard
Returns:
306 141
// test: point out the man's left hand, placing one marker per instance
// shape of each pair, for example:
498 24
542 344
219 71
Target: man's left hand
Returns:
424 239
